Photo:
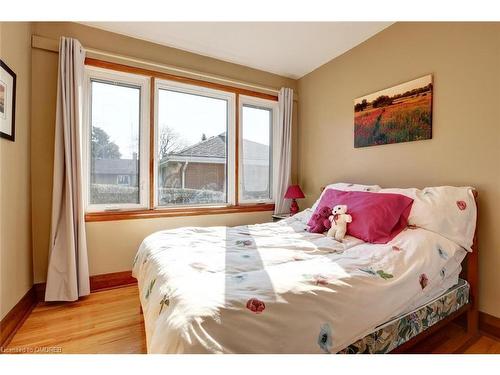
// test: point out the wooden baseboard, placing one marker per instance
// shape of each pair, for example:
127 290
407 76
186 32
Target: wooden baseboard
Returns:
16 317
489 324
111 280
97 283
39 292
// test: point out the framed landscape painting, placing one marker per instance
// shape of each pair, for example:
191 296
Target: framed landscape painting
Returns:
7 102
402 113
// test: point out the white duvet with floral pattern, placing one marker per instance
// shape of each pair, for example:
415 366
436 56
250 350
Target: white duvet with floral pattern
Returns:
275 288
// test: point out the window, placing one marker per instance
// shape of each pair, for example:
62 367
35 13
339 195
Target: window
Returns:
160 145
116 136
256 149
193 133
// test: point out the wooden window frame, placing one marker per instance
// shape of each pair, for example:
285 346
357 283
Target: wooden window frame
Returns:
158 212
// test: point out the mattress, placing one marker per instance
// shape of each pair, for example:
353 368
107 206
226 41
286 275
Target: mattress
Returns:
276 288
401 329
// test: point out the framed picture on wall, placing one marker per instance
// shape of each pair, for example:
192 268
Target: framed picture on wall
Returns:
402 113
7 102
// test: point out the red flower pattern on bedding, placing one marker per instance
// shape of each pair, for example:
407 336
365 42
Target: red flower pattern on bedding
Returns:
320 280
423 280
461 205
255 305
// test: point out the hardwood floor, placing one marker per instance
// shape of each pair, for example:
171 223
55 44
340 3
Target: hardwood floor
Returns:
453 339
110 322
104 322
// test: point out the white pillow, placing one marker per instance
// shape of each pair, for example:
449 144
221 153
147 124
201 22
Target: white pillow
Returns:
447 210
344 186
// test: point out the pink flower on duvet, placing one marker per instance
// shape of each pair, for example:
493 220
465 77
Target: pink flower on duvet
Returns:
321 280
461 205
255 305
423 280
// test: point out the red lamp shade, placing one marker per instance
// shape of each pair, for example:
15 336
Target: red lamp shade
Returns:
294 192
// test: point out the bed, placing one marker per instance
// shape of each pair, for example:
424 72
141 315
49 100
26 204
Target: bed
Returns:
276 288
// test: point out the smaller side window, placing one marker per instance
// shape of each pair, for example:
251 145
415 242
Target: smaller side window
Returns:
258 117
115 137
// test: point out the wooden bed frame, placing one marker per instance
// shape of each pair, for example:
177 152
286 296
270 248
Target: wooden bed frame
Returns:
470 272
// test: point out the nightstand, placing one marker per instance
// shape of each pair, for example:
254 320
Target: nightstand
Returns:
278 217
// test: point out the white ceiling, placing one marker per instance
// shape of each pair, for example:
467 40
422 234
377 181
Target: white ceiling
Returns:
290 49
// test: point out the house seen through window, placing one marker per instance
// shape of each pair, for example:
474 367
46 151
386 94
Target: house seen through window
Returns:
191 149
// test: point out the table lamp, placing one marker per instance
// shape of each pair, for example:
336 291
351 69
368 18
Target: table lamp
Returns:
294 192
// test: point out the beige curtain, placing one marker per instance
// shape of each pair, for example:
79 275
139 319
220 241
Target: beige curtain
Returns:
68 274
283 143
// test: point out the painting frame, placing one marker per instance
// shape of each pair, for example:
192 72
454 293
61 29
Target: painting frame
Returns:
396 114
8 82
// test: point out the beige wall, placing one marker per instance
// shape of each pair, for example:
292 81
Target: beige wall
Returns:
16 275
112 245
465 149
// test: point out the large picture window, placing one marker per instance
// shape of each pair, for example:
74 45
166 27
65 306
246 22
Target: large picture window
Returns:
157 145
193 134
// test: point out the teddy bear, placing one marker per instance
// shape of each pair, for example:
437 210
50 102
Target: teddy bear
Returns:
320 221
339 219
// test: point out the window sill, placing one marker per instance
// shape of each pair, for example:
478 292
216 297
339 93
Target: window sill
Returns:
175 212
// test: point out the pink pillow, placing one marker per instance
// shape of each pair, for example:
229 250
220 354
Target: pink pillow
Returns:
376 218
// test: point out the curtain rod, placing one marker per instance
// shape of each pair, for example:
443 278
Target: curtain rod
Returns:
52 45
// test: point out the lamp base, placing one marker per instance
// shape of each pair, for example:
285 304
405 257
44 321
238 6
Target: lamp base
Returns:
294 207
